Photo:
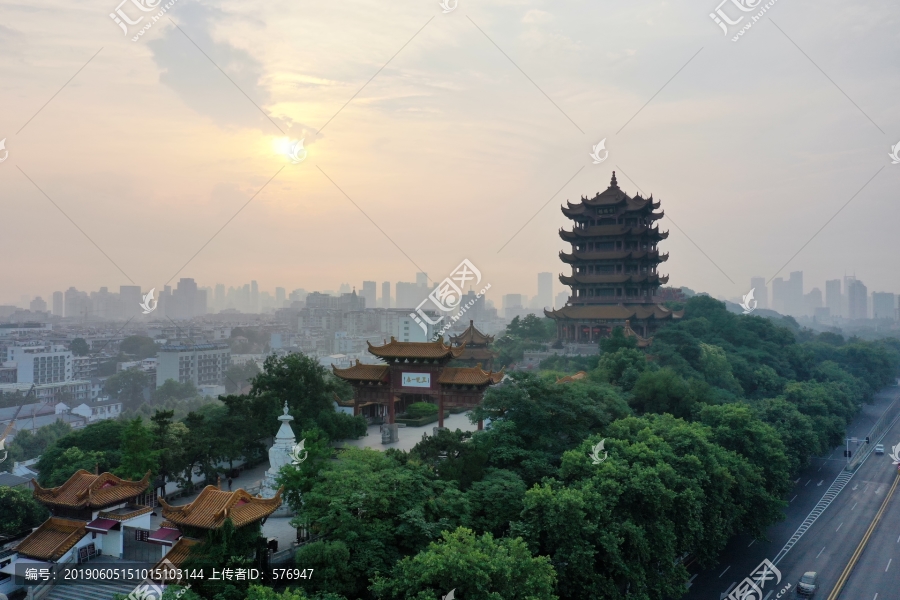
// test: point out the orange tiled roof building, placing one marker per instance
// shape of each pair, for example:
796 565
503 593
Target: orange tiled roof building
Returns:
415 372
614 263
476 348
101 505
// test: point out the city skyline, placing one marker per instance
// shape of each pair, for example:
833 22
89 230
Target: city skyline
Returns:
451 121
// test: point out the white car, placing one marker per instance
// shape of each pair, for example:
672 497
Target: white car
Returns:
879 448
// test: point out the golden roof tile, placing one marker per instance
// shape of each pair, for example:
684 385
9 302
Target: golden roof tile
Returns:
426 350
52 539
469 376
212 506
363 372
87 490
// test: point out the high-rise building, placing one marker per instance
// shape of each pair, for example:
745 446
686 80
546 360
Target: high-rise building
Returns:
857 300
344 289
386 294
131 298
220 297
794 294
409 295
422 279
279 297
561 299
544 298
512 305
884 306
187 300
812 301
760 291
369 293
76 303
200 364
58 304
41 364
779 293
38 304
833 297
254 297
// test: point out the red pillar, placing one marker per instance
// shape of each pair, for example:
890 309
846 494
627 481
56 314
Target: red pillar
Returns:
480 425
391 410
441 408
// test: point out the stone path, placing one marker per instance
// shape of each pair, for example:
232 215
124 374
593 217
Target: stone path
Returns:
410 436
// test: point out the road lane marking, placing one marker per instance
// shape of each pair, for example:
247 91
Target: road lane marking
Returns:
820 552
725 571
876 596
691 580
839 526
769 594
854 506
820 468
867 487
898 540
796 480
855 486
751 543
842 580
820 483
808 482
888 565
792 499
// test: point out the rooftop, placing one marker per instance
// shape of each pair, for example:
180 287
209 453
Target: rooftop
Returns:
87 490
212 506
52 539
416 350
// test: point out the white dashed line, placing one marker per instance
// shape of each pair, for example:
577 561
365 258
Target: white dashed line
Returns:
888 565
725 571
792 499
820 552
854 506
751 543
839 526
808 482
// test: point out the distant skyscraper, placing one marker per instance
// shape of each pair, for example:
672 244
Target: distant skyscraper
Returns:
760 291
344 289
280 296
561 299
187 300
422 279
131 298
254 297
812 301
884 306
38 304
220 297
58 304
545 290
409 295
833 297
370 293
386 294
779 291
794 296
857 300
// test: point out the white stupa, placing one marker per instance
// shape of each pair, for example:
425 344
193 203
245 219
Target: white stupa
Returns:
279 455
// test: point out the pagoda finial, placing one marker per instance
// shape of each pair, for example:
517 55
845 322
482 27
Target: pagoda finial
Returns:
613 182
285 407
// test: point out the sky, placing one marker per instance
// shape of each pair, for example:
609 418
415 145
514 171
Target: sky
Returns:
433 137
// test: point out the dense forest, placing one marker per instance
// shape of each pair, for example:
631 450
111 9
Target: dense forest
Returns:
702 434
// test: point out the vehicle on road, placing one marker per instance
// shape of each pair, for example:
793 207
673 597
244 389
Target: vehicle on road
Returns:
807 586
879 448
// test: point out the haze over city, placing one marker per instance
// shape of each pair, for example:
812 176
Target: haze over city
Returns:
450 148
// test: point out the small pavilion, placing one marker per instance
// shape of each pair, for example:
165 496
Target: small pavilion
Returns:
476 348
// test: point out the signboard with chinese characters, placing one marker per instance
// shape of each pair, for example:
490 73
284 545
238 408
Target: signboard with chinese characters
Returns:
422 380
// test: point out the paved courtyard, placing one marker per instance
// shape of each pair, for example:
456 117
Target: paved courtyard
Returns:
409 436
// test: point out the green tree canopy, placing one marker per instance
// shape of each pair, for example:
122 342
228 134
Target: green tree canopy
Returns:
139 346
477 567
79 347
19 512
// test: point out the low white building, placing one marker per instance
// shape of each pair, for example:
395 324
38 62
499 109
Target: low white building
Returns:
40 363
98 411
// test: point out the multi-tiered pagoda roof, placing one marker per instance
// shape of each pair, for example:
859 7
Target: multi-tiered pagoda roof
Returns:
614 262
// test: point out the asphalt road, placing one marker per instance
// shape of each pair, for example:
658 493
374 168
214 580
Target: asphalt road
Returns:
876 575
827 546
